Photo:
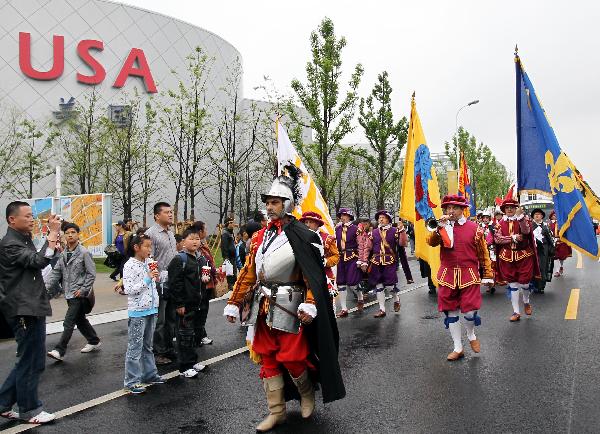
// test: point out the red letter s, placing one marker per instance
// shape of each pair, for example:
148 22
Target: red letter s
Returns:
83 51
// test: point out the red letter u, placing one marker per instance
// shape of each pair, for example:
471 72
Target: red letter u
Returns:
58 63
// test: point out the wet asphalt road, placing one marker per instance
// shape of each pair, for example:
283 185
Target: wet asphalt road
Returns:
539 375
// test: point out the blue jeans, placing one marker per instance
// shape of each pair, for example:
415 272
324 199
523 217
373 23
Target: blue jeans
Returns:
139 360
21 385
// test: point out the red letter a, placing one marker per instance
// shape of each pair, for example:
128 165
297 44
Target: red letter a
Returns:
58 64
142 71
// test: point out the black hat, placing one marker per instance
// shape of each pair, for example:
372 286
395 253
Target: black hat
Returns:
540 211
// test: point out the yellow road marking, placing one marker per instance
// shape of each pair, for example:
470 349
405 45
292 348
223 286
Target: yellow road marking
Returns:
579 259
571 312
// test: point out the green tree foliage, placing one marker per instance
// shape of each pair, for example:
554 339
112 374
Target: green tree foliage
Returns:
386 139
330 114
489 177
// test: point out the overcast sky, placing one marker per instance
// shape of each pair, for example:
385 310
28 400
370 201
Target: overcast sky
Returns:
448 52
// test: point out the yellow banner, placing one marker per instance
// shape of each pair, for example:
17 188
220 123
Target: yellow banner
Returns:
420 192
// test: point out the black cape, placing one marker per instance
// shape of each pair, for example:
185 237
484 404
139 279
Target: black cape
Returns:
322 333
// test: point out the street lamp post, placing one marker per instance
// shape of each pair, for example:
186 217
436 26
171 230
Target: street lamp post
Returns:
456 128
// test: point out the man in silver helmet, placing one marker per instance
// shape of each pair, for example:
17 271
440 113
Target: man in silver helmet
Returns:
283 291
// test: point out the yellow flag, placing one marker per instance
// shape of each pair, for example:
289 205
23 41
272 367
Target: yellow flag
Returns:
311 196
420 198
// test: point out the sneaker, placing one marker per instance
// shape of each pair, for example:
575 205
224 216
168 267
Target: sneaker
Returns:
190 373
89 347
136 389
157 380
199 367
54 354
206 341
11 414
42 417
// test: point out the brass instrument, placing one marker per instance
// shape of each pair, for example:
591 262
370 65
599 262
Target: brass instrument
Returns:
432 224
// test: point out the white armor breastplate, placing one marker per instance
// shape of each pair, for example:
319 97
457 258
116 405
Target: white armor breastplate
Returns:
278 263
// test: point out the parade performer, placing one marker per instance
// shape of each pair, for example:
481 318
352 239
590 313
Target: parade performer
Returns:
516 255
545 248
314 221
488 232
463 251
295 337
563 250
364 251
383 268
348 272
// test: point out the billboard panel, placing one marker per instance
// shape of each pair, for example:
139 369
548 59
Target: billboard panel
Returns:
91 212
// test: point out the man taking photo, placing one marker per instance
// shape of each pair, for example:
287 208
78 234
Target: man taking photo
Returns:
24 303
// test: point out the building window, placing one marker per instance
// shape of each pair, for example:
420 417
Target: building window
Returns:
120 115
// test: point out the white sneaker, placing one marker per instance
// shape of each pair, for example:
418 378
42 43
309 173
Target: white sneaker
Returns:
42 417
190 373
11 414
89 347
54 354
206 341
199 367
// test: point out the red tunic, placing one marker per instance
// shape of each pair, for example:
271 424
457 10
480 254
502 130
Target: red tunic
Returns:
458 276
563 250
517 261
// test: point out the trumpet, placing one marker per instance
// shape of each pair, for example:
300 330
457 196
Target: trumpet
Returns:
432 224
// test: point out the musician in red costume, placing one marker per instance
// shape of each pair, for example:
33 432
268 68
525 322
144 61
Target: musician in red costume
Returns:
516 255
463 251
562 250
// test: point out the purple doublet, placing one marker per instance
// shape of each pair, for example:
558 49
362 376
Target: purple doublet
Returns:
348 273
384 258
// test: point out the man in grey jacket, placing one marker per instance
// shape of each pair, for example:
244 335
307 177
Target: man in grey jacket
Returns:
25 306
76 272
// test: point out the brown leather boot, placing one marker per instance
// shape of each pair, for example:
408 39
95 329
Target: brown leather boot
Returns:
396 306
515 317
307 394
475 345
276 401
528 309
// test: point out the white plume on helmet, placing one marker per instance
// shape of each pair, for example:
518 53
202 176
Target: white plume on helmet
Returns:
286 187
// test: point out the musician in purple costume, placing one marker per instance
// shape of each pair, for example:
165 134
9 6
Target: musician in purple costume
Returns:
348 271
383 269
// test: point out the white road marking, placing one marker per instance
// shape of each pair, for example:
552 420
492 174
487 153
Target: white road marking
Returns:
119 393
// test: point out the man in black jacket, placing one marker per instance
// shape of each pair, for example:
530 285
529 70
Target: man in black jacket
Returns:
186 285
228 249
24 303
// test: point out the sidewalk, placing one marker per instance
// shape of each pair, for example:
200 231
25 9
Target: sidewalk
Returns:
106 299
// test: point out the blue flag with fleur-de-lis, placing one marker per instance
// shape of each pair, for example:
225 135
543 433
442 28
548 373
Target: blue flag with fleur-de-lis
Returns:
542 167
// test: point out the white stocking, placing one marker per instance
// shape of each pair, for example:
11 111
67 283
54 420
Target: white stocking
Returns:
514 298
526 293
342 296
469 325
395 295
455 331
359 294
381 300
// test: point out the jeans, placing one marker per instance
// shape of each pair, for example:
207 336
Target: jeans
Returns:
188 338
21 385
165 329
139 360
75 316
203 314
